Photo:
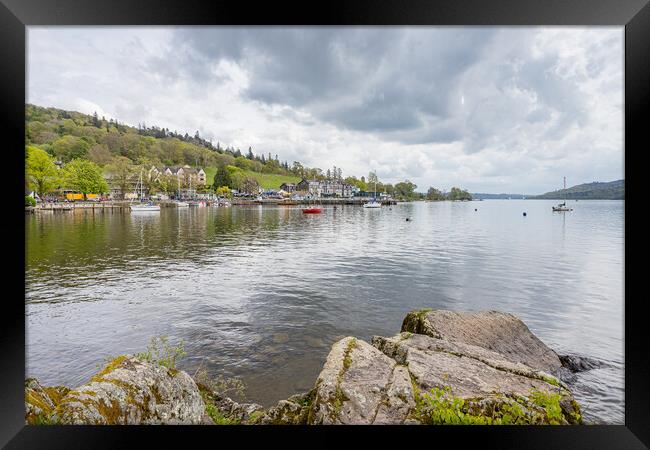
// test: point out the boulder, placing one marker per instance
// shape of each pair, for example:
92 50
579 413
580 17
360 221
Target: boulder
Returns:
360 385
576 363
492 330
482 378
129 391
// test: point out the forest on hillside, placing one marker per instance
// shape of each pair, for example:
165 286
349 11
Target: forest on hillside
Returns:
107 146
612 190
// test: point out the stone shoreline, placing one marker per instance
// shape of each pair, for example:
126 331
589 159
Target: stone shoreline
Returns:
442 368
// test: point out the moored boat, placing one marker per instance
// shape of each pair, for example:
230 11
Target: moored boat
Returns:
562 206
142 206
373 203
311 210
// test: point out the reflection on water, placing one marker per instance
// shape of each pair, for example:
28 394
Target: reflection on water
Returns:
262 292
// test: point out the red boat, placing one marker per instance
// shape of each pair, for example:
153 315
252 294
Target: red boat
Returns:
311 210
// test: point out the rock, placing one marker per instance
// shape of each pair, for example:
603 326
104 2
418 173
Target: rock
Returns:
359 385
470 370
482 380
129 391
492 330
576 363
280 338
236 412
286 412
40 402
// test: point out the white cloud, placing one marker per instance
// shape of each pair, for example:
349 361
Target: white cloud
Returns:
489 109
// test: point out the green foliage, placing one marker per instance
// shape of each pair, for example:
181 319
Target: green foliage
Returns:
70 147
405 190
440 406
222 178
459 194
435 194
219 384
121 170
217 417
40 171
551 404
223 191
159 351
30 201
84 176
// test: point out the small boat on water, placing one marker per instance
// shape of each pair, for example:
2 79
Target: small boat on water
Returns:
562 206
311 210
180 204
373 203
145 207
142 206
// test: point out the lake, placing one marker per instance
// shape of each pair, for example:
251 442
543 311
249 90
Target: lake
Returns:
261 293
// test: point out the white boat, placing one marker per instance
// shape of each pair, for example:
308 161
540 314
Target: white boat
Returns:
180 204
373 203
562 206
145 207
142 206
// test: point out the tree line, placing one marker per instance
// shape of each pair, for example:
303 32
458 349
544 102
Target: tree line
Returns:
91 146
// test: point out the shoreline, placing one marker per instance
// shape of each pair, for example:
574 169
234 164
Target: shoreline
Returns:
430 366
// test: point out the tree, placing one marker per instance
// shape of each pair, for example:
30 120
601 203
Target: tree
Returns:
41 171
121 172
405 190
84 176
250 185
250 154
167 183
223 191
372 178
70 147
100 155
434 194
222 178
459 194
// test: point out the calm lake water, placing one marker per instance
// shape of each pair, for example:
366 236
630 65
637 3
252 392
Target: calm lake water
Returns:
261 293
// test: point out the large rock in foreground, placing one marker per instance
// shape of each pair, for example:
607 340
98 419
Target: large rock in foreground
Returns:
473 368
492 330
127 391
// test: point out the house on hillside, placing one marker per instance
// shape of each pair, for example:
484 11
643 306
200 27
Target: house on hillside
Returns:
186 173
312 187
326 188
288 187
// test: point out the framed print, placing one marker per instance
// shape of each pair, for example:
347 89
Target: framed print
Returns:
364 215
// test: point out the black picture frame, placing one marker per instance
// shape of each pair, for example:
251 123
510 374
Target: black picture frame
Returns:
15 15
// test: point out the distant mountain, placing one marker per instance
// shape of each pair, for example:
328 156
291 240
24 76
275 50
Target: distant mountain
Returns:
479 196
613 190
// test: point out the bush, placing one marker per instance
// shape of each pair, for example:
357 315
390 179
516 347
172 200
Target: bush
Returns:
30 201
159 351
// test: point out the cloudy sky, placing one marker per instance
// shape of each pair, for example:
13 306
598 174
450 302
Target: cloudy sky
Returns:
509 109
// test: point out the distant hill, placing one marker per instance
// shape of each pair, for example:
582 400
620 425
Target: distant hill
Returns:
613 190
479 196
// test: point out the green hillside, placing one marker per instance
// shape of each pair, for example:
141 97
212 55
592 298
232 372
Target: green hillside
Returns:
613 190
266 180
